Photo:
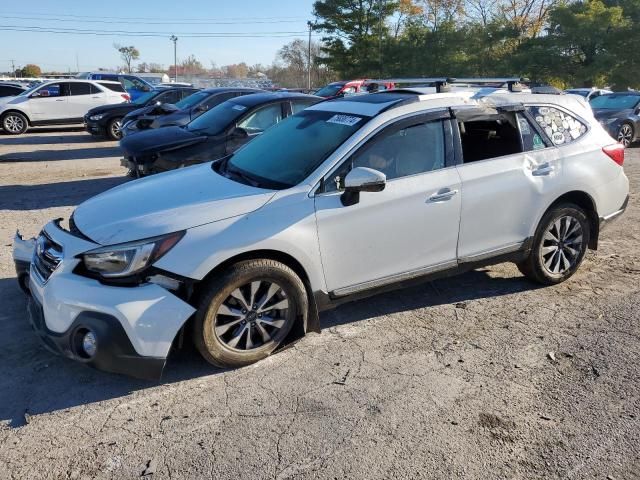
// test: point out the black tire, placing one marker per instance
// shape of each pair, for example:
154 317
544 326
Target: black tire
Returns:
114 127
539 266
14 123
223 326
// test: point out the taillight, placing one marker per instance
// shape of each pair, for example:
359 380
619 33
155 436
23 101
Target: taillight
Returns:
615 152
126 96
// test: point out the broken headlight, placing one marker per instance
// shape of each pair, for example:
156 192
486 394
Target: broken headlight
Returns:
129 258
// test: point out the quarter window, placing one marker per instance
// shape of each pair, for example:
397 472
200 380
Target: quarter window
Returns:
561 127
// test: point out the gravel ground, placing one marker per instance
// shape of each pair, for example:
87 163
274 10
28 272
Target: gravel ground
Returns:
479 376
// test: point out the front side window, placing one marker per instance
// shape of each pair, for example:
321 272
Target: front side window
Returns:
192 100
262 118
134 84
397 152
51 90
299 105
561 127
289 152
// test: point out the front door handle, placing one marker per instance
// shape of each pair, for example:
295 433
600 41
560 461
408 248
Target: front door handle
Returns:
543 169
442 195
59 99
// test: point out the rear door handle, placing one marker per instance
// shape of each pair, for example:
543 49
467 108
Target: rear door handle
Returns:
442 195
541 170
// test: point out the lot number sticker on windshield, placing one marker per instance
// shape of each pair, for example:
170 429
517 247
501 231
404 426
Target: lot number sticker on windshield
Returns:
344 120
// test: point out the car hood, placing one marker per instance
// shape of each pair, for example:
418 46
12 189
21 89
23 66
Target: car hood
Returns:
147 142
181 117
604 113
120 108
166 203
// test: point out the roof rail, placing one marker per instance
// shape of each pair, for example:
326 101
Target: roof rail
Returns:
443 84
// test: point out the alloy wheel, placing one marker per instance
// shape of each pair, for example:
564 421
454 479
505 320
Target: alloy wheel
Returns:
116 129
625 135
561 245
251 315
13 124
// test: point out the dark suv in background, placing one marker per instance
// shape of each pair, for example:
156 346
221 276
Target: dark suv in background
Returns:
107 120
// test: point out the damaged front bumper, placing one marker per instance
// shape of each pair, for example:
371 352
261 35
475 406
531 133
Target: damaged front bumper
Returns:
133 327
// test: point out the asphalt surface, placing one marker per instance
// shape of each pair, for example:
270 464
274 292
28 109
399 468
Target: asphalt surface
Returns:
484 375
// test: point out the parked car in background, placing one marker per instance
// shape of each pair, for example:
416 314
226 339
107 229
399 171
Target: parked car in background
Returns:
219 132
57 102
588 93
338 202
619 114
352 87
106 120
134 85
11 89
183 112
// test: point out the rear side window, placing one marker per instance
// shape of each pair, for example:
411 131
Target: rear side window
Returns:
80 88
531 139
561 127
116 87
485 136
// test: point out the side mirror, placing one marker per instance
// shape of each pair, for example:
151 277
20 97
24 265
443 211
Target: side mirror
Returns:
36 95
362 179
202 108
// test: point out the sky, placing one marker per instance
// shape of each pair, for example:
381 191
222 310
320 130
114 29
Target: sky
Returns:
26 31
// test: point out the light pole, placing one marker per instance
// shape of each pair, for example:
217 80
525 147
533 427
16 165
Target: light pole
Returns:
310 25
174 39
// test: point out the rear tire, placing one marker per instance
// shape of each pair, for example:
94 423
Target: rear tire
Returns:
14 123
246 312
559 245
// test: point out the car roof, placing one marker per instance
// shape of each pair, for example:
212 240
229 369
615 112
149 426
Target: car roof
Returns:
264 97
417 99
619 94
230 89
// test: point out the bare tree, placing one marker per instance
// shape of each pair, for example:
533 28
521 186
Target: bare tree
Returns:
128 54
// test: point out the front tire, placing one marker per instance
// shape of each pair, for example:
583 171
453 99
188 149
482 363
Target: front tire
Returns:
114 129
14 123
245 313
559 245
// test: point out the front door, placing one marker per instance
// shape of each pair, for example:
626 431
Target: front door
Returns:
49 102
408 229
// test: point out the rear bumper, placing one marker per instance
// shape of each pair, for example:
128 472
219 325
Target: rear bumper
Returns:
606 220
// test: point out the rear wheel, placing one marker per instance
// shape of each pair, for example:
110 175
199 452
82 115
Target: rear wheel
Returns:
114 129
625 134
14 123
559 245
246 313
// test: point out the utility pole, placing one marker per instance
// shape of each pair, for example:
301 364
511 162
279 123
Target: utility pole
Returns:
77 64
13 68
310 25
380 38
174 39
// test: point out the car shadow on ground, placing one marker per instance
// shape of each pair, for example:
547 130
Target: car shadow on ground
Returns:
91 153
36 382
35 139
62 194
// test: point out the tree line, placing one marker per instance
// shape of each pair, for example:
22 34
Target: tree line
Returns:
564 43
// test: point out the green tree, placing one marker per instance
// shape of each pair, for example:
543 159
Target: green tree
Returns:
29 71
127 54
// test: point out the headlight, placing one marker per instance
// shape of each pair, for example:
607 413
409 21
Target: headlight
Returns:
95 118
129 258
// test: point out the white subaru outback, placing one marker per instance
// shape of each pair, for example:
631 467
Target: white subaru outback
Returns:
339 201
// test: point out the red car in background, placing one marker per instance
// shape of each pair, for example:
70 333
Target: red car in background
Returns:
351 87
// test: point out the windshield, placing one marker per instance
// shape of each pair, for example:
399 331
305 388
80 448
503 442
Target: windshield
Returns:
144 98
192 100
329 90
615 101
290 151
215 120
30 90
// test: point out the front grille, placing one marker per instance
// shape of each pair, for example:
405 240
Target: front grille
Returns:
47 256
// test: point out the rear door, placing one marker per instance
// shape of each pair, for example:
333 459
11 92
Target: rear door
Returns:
83 97
507 172
49 102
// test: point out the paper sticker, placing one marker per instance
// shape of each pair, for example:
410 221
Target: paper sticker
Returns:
239 107
537 142
543 110
524 126
347 120
558 138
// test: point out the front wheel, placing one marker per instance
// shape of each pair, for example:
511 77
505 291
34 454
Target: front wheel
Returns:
14 123
559 245
246 312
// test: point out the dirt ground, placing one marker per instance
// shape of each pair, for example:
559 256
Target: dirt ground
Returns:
480 376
